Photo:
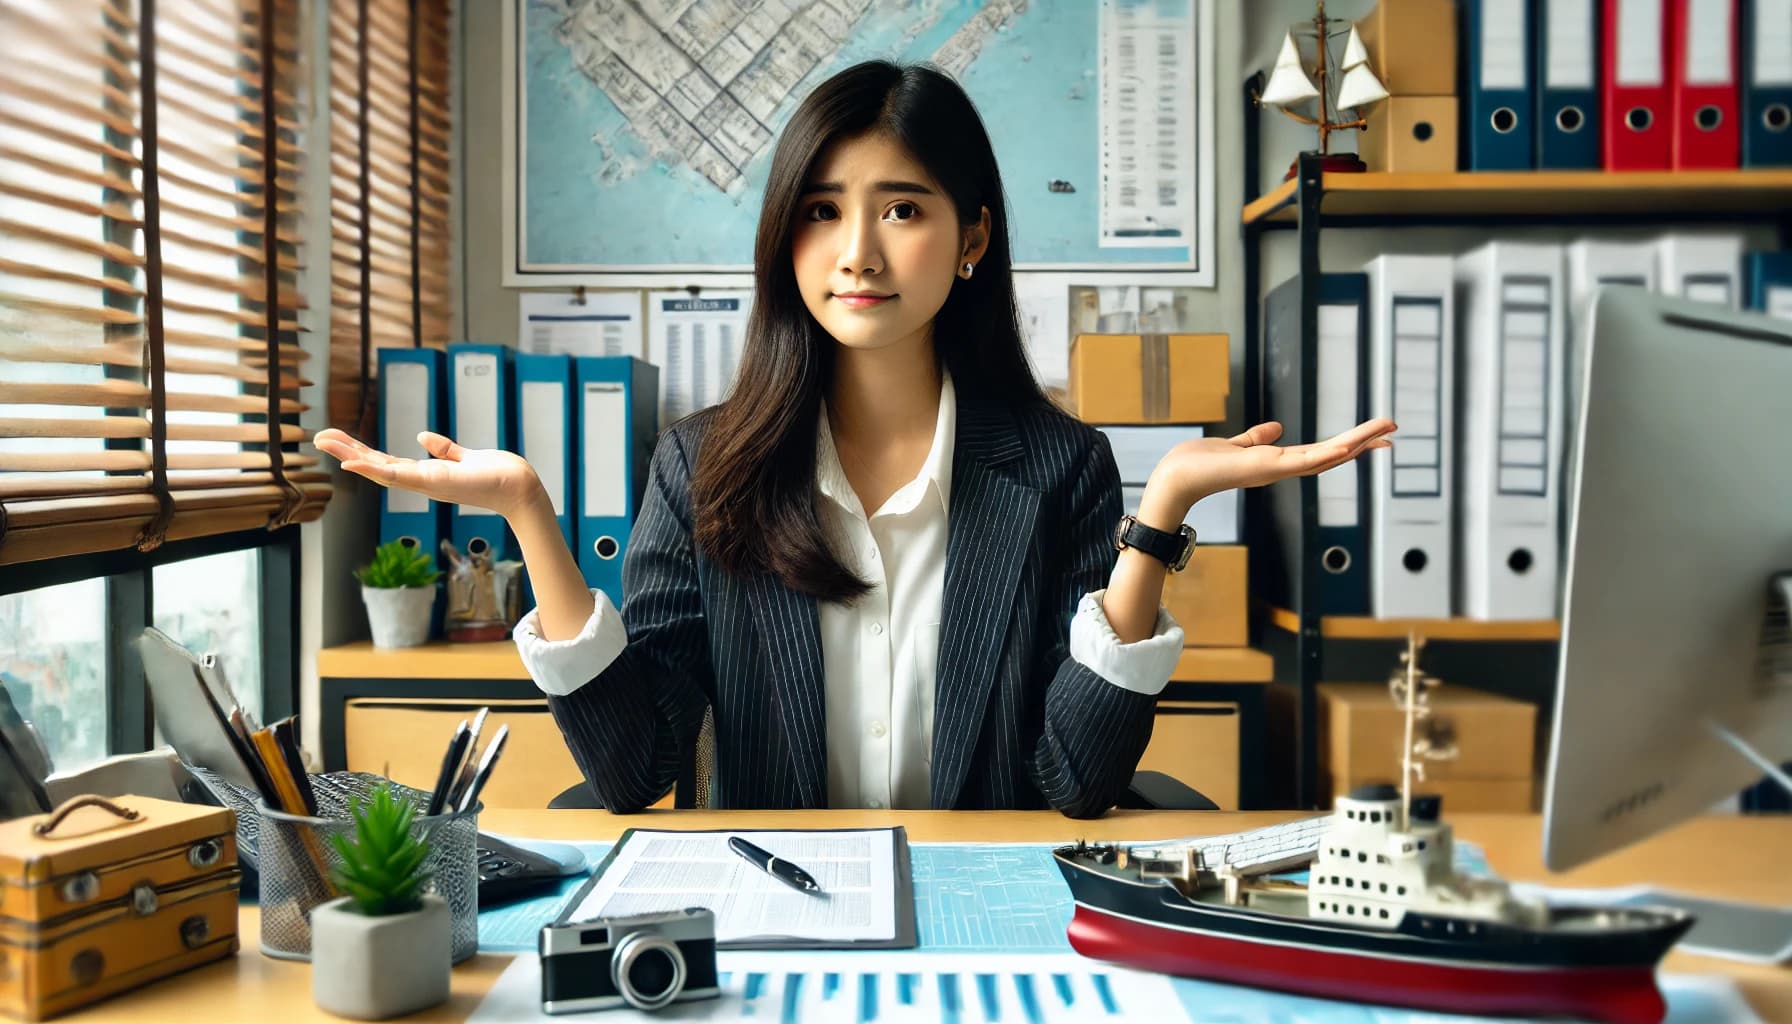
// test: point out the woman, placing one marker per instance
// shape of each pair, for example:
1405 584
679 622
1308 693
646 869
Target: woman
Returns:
881 561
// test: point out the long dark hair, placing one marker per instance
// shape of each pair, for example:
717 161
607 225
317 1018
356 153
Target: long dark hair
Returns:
753 491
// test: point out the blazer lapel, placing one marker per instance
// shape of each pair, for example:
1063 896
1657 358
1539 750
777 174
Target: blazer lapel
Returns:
990 521
790 634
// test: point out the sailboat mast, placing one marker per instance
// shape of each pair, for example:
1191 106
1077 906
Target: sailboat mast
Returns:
1325 114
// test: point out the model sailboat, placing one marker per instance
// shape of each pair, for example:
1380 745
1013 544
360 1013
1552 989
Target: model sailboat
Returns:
1337 86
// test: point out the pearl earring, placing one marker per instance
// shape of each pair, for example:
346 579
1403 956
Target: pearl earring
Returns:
968 267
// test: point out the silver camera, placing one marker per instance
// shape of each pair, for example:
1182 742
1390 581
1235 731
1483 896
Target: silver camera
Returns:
646 961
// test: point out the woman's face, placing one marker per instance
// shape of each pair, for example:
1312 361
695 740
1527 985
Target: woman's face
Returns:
877 244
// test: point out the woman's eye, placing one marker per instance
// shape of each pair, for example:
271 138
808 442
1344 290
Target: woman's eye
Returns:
821 211
904 211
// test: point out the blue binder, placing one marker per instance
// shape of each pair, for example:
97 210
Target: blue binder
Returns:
1342 536
1768 278
544 436
1566 76
1498 101
481 415
617 417
411 400
1766 107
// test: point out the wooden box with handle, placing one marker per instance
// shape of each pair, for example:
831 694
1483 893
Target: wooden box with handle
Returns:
104 895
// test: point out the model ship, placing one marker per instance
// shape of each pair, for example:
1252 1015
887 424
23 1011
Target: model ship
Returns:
1336 86
1384 916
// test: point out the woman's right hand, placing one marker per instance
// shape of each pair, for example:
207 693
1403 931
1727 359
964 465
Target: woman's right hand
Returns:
486 478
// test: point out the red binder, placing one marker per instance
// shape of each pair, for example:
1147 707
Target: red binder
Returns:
1706 98
1635 98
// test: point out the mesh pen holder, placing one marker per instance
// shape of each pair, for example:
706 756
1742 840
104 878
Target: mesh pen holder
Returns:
295 855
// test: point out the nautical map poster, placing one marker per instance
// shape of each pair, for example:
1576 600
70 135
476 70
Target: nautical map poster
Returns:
639 133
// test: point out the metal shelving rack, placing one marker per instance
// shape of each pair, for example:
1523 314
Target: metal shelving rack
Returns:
1383 200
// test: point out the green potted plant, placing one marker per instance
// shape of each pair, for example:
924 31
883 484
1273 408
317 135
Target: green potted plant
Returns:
399 589
384 948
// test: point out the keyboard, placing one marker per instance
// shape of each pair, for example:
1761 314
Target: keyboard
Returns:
508 872
1262 851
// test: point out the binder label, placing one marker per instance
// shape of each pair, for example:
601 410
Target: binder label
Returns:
1335 409
1418 351
605 447
1639 42
1503 51
1773 42
544 436
1569 58
406 394
1708 36
476 408
1524 387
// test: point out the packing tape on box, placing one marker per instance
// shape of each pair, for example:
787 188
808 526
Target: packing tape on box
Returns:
1154 375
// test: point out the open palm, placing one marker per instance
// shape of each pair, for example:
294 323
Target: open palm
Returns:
484 477
1208 465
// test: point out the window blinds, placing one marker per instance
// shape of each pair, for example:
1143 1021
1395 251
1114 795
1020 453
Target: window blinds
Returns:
150 160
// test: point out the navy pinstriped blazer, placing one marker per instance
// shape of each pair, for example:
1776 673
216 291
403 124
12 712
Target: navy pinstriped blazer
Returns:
1017 722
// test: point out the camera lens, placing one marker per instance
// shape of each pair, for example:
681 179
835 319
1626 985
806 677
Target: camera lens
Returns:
648 970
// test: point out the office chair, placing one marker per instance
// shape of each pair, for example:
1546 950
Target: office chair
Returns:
1148 791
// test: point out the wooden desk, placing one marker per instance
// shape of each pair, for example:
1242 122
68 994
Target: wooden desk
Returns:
1740 858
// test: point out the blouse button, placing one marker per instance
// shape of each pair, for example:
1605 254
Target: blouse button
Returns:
877 629
878 730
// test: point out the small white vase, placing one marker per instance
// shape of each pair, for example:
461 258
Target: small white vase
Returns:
399 615
375 968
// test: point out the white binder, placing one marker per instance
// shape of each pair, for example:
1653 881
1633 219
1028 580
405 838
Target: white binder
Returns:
1701 267
1510 324
1591 265
1412 379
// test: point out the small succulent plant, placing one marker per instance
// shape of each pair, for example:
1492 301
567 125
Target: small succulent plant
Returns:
382 870
396 564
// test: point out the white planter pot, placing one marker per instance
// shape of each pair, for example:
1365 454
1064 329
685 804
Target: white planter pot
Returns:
399 615
374 968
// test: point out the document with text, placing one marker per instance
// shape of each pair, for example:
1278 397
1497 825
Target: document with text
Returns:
866 896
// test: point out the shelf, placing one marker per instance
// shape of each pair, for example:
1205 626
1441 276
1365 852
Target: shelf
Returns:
1571 193
1350 627
1223 665
439 660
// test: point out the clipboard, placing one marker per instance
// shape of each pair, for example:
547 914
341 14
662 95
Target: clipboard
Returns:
902 892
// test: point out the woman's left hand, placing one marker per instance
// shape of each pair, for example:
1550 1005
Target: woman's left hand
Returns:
1202 466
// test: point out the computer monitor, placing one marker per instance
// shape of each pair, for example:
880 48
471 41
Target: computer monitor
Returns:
1680 516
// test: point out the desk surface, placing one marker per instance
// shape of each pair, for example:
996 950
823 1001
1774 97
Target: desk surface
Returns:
1740 858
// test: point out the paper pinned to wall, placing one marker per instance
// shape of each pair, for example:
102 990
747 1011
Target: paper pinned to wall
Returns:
587 324
1045 323
696 341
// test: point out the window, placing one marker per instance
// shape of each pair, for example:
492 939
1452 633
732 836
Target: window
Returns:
53 664
150 163
211 605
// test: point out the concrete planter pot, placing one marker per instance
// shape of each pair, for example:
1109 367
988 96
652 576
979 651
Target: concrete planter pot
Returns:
375 968
399 615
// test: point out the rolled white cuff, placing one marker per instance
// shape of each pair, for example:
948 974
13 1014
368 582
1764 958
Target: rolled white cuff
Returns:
1142 667
561 666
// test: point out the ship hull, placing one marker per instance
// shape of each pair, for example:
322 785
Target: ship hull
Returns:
1152 927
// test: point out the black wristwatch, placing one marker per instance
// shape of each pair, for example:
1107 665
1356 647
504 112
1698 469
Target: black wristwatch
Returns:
1172 549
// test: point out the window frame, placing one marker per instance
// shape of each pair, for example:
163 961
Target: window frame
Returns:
130 607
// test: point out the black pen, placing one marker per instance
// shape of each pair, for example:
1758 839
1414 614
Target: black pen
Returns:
783 870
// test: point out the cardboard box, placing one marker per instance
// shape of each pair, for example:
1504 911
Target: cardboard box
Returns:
1410 134
1150 378
1361 731
1412 46
1137 451
402 738
1196 743
1209 597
